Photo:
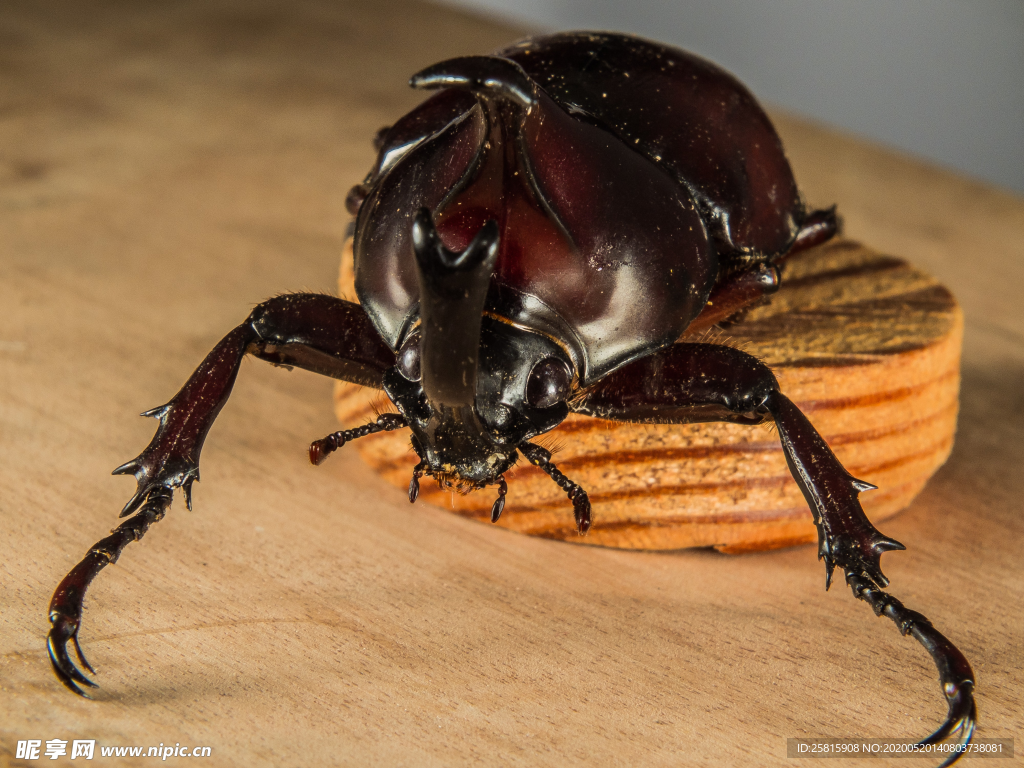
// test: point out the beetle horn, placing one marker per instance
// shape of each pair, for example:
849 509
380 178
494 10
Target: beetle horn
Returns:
482 75
453 288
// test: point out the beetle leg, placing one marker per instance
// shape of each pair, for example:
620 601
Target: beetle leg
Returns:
689 383
499 503
541 457
735 294
816 228
845 535
742 289
955 674
324 447
414 484
312 331
66 604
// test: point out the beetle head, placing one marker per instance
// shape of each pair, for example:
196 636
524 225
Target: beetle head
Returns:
472 386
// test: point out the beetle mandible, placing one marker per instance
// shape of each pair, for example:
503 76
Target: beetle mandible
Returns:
533 240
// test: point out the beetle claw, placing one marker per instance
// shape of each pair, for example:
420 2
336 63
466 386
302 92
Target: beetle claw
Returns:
581 509
80 655
499 503
64 629
962 716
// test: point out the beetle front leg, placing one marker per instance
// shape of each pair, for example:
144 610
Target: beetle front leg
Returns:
845 535
311 331
955 674
688 383
66 604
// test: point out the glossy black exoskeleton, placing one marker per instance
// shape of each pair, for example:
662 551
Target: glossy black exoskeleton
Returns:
533 240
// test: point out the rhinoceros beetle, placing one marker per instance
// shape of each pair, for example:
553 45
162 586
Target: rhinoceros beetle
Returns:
533 241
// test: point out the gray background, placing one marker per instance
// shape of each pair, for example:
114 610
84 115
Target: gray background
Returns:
940 79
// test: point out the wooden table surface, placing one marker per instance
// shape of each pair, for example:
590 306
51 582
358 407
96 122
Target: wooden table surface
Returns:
164 167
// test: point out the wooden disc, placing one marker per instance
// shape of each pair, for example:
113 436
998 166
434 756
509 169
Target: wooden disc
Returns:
867 346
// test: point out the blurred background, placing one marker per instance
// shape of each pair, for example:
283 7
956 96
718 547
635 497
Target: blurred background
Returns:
939 79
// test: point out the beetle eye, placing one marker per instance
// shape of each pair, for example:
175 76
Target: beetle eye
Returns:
548 384
408 361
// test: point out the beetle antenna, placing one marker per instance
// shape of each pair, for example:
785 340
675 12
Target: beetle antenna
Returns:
541 457
321 449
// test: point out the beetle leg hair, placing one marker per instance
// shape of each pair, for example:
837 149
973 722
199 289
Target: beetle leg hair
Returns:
688 383
311 331
541 457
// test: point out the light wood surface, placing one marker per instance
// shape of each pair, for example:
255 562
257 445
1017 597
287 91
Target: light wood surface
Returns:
163 167
865 344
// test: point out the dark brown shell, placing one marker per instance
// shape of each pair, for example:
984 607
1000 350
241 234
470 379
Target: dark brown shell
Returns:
625 178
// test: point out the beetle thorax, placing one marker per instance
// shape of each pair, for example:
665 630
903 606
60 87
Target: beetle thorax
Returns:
598 238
